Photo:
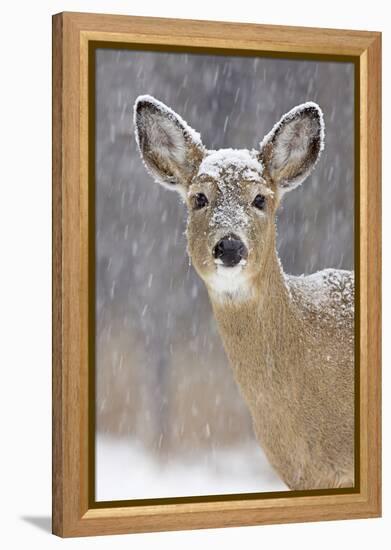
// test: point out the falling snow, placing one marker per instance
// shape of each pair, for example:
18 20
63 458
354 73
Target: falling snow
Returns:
164 389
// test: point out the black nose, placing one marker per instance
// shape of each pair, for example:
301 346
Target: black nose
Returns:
230 250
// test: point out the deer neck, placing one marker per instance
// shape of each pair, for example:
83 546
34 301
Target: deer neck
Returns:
260 332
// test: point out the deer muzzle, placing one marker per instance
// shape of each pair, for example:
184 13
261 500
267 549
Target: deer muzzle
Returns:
230 251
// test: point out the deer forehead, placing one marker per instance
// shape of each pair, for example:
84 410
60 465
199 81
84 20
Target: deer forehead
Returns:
230 165
236 173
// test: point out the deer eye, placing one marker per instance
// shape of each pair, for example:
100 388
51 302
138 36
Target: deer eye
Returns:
259 202
199 201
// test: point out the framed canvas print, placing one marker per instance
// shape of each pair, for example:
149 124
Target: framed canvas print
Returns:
216 274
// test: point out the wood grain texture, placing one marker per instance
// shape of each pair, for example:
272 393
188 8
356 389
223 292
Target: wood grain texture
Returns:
68 292
222 34
57 432
72 514
373 262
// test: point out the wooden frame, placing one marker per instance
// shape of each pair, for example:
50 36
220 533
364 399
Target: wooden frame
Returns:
73 512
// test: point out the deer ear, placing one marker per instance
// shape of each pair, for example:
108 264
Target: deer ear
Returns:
291 149
170 149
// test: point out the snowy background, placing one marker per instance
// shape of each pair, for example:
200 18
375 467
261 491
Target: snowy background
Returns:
170 420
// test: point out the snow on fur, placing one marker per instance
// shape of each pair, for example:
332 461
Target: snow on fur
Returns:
229 214
289 339
239 162
328 293
229 167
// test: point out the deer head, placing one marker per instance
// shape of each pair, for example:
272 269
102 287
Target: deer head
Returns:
231 194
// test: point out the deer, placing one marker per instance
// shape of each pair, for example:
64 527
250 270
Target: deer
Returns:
289 339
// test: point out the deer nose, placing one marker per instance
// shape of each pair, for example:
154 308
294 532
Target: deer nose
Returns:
230 250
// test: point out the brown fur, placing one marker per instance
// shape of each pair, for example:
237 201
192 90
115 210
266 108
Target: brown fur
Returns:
289 339
296 375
